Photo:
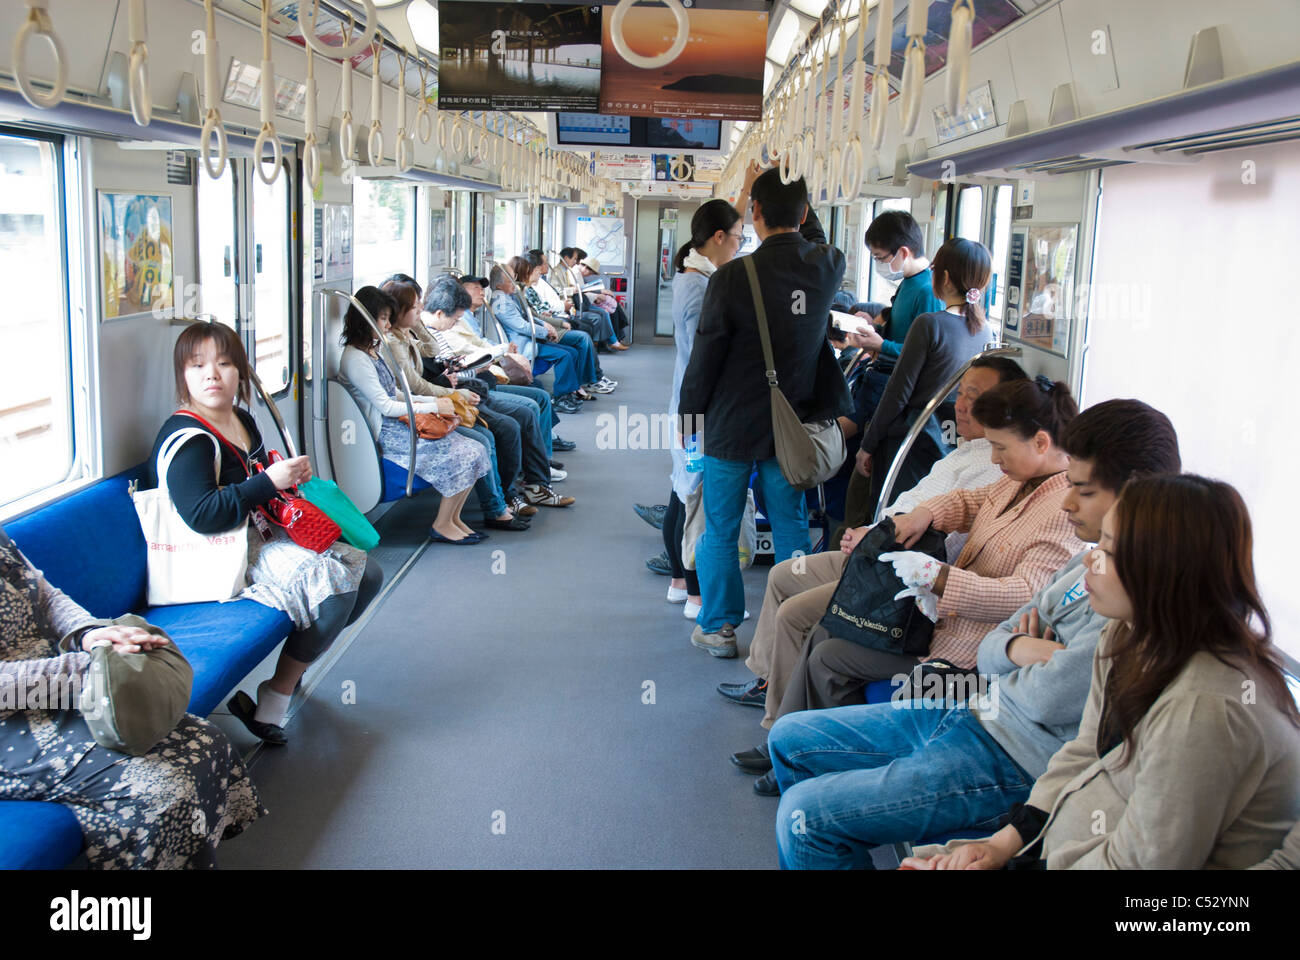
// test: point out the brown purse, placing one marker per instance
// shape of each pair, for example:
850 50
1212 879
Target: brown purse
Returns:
467 413
519 371
433 426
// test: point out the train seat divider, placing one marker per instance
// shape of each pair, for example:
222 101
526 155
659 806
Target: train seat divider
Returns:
89 545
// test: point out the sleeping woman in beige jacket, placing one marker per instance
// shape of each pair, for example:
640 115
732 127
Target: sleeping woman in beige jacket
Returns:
1188 755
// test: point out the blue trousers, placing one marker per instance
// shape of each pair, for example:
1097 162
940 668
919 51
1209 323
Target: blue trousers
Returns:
487 487
565 361
853 778
549 418
722 591
533 464
588 369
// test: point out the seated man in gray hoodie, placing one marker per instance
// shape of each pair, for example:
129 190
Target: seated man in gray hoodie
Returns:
855 777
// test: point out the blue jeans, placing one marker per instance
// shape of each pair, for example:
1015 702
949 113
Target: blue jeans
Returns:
565 361
533 441
548 418
722 591
853 778
487 487
587 369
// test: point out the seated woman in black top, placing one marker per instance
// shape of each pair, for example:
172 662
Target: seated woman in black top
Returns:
321 593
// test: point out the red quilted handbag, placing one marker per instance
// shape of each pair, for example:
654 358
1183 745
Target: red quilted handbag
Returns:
304 522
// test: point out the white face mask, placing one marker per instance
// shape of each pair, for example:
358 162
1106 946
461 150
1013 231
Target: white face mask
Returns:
886 271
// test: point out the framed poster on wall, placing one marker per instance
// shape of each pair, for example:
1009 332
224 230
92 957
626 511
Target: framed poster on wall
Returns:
338 241
1045 257
135 254
438 252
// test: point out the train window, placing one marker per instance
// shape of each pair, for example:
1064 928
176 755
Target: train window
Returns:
462 231
272 280
218 272
939 226
384 218
1001 237
970 214
507 230
36 429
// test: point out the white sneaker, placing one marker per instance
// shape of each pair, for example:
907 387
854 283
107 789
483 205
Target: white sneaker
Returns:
600 386
558 475
676 594
605 381
692 611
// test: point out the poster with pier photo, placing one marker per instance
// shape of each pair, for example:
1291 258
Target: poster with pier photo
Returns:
719 74
518 56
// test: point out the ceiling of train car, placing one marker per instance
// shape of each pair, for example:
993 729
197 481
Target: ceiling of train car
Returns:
413 26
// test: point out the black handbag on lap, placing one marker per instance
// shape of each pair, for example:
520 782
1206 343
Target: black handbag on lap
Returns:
863 609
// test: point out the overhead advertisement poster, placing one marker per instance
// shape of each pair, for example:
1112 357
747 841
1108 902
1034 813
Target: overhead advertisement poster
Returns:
719 74
625 166
518 56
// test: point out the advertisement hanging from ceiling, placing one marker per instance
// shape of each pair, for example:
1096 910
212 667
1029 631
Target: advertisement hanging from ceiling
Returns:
719 73
519 56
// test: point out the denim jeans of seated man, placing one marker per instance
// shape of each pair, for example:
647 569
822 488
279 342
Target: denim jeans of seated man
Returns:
534 463
547 416
487 487
588 367
722 590
853 778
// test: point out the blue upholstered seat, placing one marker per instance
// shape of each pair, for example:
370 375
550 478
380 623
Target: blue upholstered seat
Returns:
395 481
89 545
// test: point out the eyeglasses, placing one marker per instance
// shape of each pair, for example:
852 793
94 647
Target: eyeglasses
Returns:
888 259
737 236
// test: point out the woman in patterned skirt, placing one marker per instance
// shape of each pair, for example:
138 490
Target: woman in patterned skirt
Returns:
166 809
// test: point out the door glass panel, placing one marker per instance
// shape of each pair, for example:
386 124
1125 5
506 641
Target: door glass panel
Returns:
881 290
384 214
505 230
271 281
35 387
939 226
667 251
970 214
1001 237
218 273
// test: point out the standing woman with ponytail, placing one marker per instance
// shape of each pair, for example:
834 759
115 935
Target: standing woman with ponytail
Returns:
716 237
936 347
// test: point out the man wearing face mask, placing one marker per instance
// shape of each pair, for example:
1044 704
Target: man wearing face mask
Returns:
897 246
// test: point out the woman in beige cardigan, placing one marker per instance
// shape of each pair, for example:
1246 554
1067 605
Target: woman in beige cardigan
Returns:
1188 755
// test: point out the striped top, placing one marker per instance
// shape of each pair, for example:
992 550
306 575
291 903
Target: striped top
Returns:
1007 559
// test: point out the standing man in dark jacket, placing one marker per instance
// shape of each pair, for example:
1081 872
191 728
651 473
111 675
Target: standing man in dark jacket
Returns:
725 396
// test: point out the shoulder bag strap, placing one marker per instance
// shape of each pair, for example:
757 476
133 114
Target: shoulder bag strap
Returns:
219 436
169 448
761 314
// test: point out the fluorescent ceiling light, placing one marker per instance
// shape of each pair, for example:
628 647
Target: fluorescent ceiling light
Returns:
388 3
423 20
810 8
783 40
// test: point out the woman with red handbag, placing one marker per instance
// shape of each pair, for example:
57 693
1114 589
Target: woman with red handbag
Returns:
295 561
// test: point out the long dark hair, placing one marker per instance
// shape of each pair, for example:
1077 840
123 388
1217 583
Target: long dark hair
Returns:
709 219
1183 552
968 267
358 333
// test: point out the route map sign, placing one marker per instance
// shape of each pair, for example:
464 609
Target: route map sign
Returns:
605 239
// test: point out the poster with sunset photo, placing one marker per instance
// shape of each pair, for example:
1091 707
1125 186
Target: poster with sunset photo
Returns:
719 74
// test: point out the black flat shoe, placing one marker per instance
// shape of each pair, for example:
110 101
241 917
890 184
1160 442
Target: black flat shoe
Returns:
514 523
765 786
242 707
437 537
753 761
751 694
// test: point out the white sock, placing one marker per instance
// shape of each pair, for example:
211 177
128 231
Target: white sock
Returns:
272 706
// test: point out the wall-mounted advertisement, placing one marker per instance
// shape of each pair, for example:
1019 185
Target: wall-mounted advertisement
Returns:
976 114
624 166
519 56
719 74
1044 298
991 16
135 254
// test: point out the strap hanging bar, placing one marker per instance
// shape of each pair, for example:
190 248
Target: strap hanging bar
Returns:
880 75
38 24
851 175
347 129
405 152
424 116
212 124
311 151
138 69
267 82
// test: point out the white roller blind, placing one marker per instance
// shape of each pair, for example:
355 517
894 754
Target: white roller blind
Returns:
1196 310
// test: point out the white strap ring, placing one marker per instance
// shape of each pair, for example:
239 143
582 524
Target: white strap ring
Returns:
264 136
663 59
212 125
38 23
346 51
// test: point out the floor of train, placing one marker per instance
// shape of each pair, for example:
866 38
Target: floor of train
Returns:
499 717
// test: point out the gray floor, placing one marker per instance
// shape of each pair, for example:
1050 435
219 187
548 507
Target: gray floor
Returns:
499 717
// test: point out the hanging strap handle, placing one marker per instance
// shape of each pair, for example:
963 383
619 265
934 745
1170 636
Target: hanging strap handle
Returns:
760 313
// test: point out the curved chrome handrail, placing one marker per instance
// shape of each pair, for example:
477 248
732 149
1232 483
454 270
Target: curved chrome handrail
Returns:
325 292
891 475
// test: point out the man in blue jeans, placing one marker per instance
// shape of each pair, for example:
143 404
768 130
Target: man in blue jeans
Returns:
856 777
725 398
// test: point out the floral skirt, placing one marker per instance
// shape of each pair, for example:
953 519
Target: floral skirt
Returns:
297 580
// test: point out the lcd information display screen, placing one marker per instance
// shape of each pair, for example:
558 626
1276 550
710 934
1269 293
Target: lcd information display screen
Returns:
719 74
605 130
519 56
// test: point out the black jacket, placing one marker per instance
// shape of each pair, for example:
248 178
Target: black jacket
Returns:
724 389
205 506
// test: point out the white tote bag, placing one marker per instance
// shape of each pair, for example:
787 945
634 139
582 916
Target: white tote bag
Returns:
693 529
186 566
